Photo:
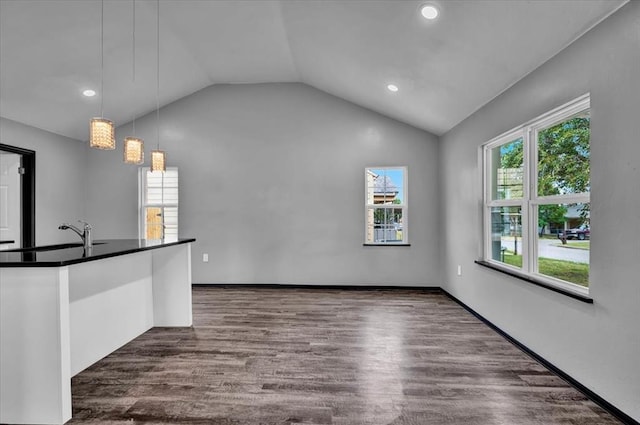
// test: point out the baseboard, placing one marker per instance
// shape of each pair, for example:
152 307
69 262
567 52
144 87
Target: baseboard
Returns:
619 414
312 286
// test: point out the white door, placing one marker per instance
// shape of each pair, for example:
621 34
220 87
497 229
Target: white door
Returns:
10 216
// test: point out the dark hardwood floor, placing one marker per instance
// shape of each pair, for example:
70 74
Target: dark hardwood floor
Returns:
325 356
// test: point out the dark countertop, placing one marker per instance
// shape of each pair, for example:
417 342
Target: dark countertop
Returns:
74 253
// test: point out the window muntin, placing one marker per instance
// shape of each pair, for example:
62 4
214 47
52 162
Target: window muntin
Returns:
159 204
386 205
537 190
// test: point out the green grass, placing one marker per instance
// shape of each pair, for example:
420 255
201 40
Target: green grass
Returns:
569 271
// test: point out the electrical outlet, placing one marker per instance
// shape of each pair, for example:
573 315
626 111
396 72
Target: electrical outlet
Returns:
205 258
459 270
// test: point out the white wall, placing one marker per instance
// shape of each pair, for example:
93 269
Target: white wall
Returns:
598 344
60 178
272 187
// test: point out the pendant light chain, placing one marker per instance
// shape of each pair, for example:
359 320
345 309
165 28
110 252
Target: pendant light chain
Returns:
158 116
134 41
102 59
101 130
158 113
158 74
133 152
133 59
158 157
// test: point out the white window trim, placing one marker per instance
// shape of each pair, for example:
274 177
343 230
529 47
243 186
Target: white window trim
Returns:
530 200
404 206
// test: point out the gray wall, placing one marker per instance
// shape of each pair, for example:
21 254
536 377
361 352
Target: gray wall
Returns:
60 178
272 187
599 344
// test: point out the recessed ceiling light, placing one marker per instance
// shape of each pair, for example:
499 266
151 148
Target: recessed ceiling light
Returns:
429 11
89 93
392 87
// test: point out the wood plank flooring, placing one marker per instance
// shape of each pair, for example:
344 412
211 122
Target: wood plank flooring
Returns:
326 356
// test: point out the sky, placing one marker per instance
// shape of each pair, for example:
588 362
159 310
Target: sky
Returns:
396 176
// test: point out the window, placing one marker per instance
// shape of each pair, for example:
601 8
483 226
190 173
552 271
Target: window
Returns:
386 206
159 204
537 198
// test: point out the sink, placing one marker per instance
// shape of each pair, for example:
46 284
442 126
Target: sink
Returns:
51 247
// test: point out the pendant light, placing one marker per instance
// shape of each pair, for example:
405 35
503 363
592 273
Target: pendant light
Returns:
133 147
102 133
158 160
133 150
158 157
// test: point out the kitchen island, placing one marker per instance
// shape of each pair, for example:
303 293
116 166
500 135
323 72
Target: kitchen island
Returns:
64 307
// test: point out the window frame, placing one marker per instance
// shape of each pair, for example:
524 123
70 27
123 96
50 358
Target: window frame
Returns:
530 201
403 206
142 205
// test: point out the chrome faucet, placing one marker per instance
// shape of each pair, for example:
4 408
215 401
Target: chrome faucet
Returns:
85 233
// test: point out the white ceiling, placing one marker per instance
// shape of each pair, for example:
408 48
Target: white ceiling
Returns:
445 69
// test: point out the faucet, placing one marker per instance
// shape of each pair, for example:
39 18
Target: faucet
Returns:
85 233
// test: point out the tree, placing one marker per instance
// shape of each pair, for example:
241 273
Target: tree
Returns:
549 214
387 215
511 155
563 157
563 165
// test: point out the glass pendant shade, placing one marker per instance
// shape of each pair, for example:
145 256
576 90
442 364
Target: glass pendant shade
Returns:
133 150
102 134
158 161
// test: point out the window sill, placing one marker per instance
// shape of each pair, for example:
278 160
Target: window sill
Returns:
538 282
386 244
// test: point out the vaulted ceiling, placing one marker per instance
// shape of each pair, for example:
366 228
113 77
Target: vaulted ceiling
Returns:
445 69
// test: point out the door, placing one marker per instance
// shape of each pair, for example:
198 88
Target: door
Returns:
10 200
155 223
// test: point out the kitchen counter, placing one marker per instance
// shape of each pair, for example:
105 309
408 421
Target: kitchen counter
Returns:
74 253
63 308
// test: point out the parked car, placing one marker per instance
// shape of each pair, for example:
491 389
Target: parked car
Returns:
580 233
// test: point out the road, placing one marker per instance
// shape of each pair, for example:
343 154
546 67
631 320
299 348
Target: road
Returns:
547 248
